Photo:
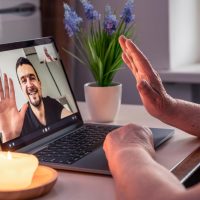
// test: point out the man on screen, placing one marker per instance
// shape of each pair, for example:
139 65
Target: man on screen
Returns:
37 113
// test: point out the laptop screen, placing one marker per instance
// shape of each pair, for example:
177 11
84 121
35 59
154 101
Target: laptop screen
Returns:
35 96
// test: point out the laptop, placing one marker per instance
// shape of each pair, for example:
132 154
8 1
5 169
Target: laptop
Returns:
60 139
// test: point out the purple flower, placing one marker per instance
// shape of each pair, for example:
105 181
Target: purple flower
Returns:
90 13
127 13
110 21
71 20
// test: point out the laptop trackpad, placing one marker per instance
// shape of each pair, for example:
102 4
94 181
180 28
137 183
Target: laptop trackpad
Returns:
94 162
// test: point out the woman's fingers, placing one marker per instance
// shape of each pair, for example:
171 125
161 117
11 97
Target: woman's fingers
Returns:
136 61
140 61
135 56
122 40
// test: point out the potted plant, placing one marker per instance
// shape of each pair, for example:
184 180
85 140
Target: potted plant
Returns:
100 51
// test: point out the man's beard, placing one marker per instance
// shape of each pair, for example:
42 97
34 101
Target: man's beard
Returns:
35 103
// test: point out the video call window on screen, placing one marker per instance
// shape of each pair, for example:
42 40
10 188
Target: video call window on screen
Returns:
34 91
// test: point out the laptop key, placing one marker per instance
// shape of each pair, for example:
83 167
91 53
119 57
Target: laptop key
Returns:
74 146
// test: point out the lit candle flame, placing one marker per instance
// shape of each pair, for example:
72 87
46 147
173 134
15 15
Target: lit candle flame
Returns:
9 156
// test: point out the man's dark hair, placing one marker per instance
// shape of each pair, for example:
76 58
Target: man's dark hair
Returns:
22 61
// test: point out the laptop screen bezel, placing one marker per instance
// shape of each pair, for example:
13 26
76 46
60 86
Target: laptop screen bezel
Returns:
74 119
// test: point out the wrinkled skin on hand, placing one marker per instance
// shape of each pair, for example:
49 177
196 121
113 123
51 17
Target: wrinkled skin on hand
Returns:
126 137
152 92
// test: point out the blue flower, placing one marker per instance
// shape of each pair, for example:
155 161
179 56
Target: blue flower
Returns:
110 21
97 43
90 13
71 20
127 13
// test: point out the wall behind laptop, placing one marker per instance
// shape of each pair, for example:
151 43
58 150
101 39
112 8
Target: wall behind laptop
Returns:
168 34
152 38
19 20
164 27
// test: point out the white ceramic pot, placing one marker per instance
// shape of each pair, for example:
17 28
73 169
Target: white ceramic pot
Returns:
103 103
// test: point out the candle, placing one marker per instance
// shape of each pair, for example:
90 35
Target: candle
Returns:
16 170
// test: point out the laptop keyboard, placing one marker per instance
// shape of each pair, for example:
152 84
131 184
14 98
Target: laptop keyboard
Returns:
74 146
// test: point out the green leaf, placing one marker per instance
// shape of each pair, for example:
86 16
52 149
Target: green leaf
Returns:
100 51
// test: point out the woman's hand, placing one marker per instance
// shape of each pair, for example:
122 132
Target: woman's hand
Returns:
152 92
127 139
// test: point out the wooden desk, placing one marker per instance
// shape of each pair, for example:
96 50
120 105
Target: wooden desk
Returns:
80 186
